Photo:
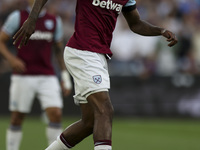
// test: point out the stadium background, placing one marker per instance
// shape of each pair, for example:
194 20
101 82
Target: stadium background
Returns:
157 88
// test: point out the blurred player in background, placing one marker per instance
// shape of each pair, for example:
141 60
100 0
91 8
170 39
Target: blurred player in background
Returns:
85 57
34 75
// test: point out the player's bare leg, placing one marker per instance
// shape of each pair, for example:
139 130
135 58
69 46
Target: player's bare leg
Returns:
76 132
14 133
82 128
103 113
96 118
54 127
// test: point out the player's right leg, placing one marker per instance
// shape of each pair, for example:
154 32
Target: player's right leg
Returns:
90 73
21 98
77 131
54 127
14 132
103 114
96 118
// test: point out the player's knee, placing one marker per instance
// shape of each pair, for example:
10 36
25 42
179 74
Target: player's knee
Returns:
16 121
101 104
17 118
54 115
105 110
88 121
111 111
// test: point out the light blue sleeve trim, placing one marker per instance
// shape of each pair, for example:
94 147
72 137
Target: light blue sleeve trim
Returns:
59 30
130 3
12 23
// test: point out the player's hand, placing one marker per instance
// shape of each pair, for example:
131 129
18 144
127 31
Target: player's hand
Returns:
171 37
66 83
18 65
25 32
66 92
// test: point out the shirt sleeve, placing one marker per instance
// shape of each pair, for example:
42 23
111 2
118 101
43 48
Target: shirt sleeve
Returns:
12 23
130 5
59 30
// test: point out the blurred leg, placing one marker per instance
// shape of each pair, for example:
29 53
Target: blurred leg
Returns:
54 127
14 133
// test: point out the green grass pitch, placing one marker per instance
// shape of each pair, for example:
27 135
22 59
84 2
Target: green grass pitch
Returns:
128 134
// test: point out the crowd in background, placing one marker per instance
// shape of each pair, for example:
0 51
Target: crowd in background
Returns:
146 56
136 55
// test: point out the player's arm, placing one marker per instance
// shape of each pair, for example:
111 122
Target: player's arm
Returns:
27 29
7 30
146 29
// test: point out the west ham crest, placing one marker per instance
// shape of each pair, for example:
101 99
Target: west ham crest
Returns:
49 24
97 79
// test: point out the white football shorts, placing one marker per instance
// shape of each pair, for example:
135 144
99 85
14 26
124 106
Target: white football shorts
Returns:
89 71
24 89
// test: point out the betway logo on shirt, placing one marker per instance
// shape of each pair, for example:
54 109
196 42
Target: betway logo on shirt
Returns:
109 4
38 35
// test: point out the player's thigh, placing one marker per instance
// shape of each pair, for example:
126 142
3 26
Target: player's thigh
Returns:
49 92
22 93
89 71
101 103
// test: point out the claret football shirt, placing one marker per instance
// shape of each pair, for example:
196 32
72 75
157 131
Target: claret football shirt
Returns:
37 53
95 23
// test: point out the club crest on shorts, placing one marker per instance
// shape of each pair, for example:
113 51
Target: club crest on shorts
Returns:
97 79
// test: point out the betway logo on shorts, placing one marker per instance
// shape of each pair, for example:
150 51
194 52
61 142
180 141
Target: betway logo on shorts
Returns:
109 4
38 35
